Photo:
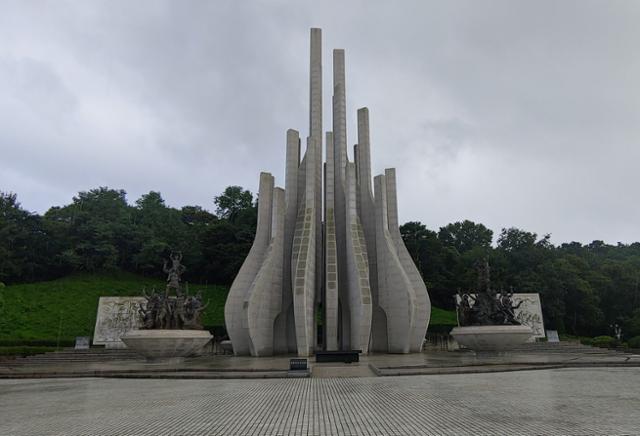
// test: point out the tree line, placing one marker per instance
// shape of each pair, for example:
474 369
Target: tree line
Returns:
585 289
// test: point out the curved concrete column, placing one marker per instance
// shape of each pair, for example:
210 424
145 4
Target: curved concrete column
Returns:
265 295
395 291
235 308
422 307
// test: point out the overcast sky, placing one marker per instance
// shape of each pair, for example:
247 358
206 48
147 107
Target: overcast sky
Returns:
507 113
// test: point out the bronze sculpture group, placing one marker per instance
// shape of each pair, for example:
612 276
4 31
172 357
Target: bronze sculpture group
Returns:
164 311
486 307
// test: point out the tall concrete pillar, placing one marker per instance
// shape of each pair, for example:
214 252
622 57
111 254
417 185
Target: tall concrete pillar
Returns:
367 215
340 185
304 259
357 270
285 337
339 113
315 132
332 278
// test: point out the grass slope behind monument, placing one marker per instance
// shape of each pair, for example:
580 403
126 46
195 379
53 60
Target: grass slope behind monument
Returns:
35 313
38 311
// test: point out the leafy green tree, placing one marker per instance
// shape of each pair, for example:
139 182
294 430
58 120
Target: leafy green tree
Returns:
99 230
232 202
23 247
465 235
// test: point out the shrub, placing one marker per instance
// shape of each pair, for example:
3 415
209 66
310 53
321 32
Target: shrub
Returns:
586 341
634 342
604 341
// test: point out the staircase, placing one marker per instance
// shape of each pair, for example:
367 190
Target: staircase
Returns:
561 347
71 355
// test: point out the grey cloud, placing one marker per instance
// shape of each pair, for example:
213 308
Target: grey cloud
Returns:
505 112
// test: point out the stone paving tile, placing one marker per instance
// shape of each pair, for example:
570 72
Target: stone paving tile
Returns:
549 402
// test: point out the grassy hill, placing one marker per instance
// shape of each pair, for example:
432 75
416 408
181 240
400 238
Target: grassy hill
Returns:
38 312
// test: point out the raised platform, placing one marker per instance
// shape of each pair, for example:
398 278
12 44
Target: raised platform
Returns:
492 337
121 364
166 344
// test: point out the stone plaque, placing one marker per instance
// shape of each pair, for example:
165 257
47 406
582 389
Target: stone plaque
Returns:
82 342
116 316
529 313
552 336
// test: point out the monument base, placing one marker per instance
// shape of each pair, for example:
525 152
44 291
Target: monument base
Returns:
492 337
166 344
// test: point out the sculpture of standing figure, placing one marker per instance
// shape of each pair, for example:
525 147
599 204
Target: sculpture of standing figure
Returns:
173 273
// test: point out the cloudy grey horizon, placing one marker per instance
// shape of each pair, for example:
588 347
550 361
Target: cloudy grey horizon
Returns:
507 113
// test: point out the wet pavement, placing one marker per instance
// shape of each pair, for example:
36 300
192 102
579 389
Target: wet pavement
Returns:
552 401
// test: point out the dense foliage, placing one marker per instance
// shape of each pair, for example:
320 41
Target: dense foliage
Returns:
99 231
584 288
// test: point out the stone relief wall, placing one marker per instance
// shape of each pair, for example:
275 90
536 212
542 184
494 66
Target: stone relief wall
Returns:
529 313
116 316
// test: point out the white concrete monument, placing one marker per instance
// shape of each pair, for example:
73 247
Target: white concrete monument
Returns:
345 260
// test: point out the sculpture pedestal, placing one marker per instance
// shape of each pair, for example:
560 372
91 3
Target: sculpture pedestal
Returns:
492 337
166 344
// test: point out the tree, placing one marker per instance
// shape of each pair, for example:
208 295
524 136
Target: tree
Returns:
415 236
232 202
98 229
513 239
23 244
465 235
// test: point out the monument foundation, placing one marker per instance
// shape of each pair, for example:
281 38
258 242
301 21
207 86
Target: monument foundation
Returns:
491 337
167 344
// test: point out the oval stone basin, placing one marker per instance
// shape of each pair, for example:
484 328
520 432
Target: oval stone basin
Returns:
492 337
166 344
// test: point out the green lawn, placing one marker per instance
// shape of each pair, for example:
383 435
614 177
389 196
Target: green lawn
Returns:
34 313
443 317
38 311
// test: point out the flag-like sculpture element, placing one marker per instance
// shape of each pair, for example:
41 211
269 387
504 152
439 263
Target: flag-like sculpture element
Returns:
349 268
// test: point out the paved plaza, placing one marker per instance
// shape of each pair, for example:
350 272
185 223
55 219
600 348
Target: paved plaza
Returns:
561 401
